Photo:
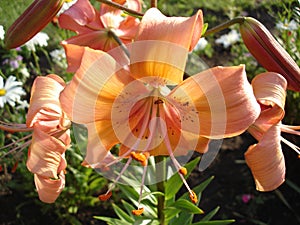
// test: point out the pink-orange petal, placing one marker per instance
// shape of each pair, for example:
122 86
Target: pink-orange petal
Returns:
44 101
44 156
79 98
77 16
162 45
266 161
224 105
49 189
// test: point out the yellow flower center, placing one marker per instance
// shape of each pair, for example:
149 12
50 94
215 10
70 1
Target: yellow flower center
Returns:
2 92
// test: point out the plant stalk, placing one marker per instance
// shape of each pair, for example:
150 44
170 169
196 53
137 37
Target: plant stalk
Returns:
223 26
160 166
153 3
118 6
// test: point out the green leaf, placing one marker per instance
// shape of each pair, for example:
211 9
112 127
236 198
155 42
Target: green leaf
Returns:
127 206
214 222
210 214
205 26
112 221
173 185
182 218
187 206
171 212
122 214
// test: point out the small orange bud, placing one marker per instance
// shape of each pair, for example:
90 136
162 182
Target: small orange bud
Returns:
193 197
183 171
137 212
105 197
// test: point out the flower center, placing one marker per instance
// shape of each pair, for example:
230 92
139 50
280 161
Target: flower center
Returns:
2 92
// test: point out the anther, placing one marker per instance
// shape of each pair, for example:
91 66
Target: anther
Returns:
137 212
183 171
105 197
140 157
193 197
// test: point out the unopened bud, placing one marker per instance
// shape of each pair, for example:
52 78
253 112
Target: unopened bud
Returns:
33 20
268 52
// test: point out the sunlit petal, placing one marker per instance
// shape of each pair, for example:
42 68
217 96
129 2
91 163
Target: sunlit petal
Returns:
91 79
164 45
266 161
224 103
44 156
49 189
44 101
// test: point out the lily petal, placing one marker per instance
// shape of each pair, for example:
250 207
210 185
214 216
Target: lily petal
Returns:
44 101
44 155
270 91
266 161
224 104
94 76
162 45
49 189
78 16
101 138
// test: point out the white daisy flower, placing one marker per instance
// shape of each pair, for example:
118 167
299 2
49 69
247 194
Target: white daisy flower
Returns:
59 57
11 92
201 44
40 39
285 25
228 39
2 32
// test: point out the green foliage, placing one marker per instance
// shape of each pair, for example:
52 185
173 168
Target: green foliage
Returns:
177 210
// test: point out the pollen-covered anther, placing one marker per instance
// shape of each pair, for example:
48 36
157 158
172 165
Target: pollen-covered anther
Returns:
193 197
183 171
105 197
138 212
141 157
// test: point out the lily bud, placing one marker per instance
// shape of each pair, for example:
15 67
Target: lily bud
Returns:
268 52
33 20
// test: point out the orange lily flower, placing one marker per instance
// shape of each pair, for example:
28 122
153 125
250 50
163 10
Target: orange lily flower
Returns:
147 107
266 159
95 28
50 137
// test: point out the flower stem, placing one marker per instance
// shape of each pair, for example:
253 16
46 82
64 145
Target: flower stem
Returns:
120 43
153 3
160 166
225 25
118 6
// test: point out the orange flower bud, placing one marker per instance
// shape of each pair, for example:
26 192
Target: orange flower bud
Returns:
33 20
268 52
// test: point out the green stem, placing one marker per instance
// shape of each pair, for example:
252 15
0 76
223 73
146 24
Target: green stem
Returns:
153 3
120 43
225 25
36 62
118 6
160 166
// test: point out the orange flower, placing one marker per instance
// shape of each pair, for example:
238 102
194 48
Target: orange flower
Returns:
94 27
50 137
266 159
146 106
